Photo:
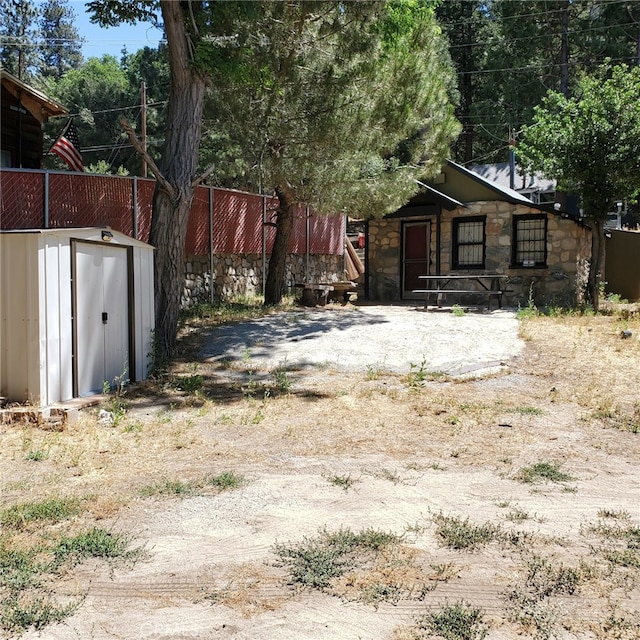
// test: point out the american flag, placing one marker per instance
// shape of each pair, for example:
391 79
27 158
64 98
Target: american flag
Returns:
67 146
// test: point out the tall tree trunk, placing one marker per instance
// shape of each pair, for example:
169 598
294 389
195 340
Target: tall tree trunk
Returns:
274 284
173 195
168 235
596 265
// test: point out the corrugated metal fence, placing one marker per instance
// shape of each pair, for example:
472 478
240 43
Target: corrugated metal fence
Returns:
221 221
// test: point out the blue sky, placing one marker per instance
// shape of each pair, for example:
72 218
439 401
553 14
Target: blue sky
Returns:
99 41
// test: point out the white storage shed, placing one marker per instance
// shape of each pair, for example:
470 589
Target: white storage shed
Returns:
76 311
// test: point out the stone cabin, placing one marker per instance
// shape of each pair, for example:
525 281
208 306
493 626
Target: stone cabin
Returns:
463 224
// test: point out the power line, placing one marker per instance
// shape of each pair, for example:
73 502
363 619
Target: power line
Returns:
494 17
21 41
160 103
572 32
119 146
534 67
488 155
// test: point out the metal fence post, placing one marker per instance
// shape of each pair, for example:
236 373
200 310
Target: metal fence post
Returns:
134 211
211 203
345 219
46 200
307 244
264 245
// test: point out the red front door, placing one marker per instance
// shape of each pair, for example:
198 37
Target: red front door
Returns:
416 242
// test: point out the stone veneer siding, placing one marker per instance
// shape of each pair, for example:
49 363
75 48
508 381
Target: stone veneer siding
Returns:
236 275
559 283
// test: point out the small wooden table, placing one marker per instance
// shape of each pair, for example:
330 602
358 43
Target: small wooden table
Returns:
487 284
314 293
342 290
320 292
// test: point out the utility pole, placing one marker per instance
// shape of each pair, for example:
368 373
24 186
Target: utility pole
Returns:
512 158
564 51
143 126
636 23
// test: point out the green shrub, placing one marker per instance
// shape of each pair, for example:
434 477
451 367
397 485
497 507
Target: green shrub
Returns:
459 621
95 543
52 510
316 561
455 533
549 471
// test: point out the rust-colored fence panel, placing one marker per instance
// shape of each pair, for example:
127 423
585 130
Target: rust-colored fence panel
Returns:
22 200
241 221
270 212
144 189
84 200
298 240
198 240
237 222
326 234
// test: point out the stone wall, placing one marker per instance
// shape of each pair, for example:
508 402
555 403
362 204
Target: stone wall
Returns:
237 275
383 246
558 283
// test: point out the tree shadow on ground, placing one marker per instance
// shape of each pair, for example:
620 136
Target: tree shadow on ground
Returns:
238 342
216 382
221 363
214 390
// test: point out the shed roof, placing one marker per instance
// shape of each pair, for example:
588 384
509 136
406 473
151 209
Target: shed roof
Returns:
93 234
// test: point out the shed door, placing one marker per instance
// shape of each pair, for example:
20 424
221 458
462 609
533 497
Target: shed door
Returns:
102 316
416 242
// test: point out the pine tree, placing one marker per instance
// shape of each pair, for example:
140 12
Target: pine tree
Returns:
341 106
18 34
61 47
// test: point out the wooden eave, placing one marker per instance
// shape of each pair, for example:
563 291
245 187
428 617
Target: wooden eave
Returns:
37 103
428 202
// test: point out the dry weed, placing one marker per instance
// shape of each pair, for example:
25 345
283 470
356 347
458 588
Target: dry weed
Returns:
570 398
251 589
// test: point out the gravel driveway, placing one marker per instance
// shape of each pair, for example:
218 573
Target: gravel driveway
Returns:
385 337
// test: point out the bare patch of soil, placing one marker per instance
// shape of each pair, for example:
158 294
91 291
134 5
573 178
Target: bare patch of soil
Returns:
321 449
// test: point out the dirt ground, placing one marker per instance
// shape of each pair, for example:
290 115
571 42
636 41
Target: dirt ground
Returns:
322 450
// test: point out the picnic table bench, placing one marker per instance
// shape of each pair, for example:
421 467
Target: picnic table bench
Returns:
478 284
319 293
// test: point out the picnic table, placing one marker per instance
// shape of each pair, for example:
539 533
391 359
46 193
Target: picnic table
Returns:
442 286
